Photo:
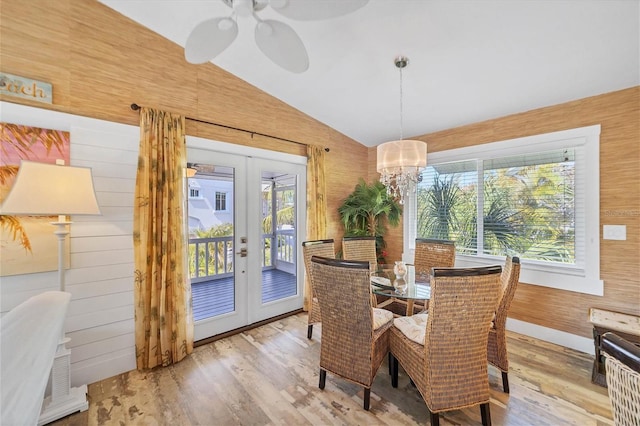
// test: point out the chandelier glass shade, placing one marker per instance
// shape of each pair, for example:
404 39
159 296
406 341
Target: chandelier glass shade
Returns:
399 164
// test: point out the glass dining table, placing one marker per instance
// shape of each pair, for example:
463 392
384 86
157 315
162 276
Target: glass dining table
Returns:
395 295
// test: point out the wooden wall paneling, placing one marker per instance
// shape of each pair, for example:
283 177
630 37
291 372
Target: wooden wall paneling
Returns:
345 164
102 286
34 43
101 274
110 364
102 332
105 243
98 318
116 62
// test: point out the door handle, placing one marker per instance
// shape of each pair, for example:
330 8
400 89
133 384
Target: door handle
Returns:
242 252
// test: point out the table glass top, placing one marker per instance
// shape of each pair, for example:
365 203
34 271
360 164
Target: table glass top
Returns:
382 283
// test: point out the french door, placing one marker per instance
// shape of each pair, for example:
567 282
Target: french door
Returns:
246 216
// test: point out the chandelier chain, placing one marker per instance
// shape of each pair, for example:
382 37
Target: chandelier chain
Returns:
401 112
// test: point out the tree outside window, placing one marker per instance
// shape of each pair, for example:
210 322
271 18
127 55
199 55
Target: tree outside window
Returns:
527 204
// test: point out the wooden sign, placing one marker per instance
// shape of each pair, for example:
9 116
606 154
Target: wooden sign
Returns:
26 88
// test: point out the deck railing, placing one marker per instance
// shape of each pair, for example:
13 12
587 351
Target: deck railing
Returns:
212 257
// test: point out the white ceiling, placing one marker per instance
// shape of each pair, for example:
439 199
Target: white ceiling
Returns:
470 60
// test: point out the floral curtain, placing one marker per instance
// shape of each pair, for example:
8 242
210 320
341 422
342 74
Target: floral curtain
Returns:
162 294
316 204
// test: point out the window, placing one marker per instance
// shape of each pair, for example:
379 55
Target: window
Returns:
221 201
527 197
194 193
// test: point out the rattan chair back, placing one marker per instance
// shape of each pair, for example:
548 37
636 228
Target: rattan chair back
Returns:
349 348
462 304
360 248
450 369
622 365
430 253
322 248
497 343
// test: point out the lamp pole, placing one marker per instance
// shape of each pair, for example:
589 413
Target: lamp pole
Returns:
64 399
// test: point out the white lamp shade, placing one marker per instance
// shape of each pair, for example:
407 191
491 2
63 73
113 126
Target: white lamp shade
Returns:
42 189
401 153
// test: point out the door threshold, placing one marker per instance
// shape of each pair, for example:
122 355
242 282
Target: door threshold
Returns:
244 328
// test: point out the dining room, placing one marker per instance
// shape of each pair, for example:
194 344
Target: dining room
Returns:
99 61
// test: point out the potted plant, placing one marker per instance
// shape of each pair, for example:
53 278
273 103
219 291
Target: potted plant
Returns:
367 211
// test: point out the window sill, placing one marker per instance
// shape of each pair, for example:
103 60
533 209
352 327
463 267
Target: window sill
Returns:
561 278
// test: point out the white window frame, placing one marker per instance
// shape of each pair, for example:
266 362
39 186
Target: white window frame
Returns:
215 201
584 277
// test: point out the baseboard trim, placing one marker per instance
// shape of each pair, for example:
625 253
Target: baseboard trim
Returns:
551 335
245 328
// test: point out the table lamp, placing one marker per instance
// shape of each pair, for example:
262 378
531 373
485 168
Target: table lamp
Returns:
42 189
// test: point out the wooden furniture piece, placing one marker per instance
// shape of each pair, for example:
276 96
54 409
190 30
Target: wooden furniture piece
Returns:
622 363
497 344
322 248
449 367
355 335
624 325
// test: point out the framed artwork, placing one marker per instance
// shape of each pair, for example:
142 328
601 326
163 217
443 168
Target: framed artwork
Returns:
27 243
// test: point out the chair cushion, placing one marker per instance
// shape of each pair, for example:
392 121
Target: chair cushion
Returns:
381 317
414 327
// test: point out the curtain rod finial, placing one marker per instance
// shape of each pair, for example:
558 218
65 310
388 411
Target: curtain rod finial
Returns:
327 150
135 107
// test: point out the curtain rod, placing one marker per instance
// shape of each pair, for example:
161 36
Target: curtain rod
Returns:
136 107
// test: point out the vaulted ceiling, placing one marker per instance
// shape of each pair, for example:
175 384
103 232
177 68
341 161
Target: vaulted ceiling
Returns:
469 60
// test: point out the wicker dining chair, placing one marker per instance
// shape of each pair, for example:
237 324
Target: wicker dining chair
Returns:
360 248
363 248
497 343
444 352
355 335
431 253
323 248
622 365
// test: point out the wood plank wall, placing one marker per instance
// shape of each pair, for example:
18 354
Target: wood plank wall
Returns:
100 278
100 62
618 113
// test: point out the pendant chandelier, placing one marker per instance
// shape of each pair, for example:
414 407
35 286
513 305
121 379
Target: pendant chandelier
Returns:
400 162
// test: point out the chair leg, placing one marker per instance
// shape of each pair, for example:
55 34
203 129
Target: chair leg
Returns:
309 331
486 414
367 398
435 418
390 358
394 371
323 378
505 382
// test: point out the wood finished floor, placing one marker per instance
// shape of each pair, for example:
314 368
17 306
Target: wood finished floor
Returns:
269 376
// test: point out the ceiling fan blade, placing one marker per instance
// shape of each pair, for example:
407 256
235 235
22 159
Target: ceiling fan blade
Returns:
209 38
307 10
280 43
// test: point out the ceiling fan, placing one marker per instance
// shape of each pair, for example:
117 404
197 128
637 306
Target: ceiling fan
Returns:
277 40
